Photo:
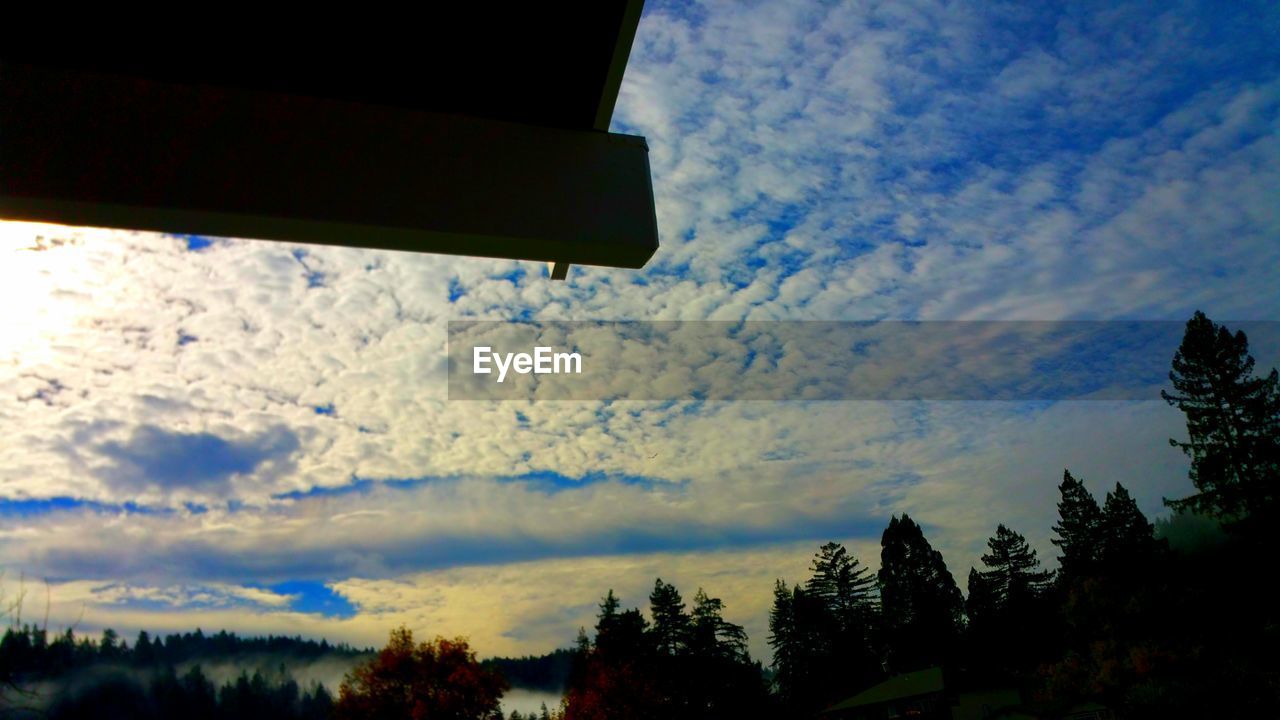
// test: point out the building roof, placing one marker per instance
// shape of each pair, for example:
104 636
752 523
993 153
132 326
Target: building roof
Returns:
465 129
549 64
907 685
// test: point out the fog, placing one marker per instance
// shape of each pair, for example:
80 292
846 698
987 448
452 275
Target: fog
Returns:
526 700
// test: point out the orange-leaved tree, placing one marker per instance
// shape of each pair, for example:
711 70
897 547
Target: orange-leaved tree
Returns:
437 680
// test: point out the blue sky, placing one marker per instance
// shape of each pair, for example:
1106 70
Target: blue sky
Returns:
257 436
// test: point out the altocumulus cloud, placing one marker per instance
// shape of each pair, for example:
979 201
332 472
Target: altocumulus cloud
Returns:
155 457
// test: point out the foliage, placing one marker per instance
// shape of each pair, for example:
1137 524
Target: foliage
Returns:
1078 530
921 603
685 664
543 672
1233 422
436 680
823 633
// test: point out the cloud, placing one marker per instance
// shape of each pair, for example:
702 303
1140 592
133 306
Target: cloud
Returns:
156 457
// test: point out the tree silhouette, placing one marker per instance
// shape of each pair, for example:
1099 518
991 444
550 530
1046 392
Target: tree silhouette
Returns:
1013 571
1128 540
843 584
437 680
921 604
685 665
671 623
1006 601
711 636
1233 422
1079 530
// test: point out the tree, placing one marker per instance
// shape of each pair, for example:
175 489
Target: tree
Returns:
1233 422
615 678
1079 530
920 602
783 639
437 680
1005 602
982 606
671 623
845 586
1013 572
711 635
1128 540
803 634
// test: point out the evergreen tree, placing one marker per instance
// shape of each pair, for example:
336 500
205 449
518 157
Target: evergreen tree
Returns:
1233 423
1128 540
143 652
607 620
1013 571
713 636
783 639
1007 603
920 602
836 614
108 647
1079 530
982 606
847 588
671 623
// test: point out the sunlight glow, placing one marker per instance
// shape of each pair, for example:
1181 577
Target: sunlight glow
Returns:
39 268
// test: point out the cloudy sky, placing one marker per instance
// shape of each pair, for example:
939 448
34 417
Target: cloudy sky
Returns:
257 436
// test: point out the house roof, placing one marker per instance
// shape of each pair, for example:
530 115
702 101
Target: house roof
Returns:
554 65
463 129
912 684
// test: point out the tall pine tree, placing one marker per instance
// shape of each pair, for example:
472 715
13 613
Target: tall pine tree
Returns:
1128 540
1079 530
921 606
1233 423
1013 572
671 624
843 584
1007 604
784 641
713 636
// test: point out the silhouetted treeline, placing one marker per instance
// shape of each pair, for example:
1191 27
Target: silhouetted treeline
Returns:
680 662
1177 626
28 652
545 672
162 695
70 676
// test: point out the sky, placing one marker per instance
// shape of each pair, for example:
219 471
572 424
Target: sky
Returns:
239 434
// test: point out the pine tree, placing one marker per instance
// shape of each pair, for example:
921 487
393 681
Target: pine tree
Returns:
1128 540
921 604
843 584
713 636
782 638
1079 530
1008 604
1013 574
982 606
1233 422
670 621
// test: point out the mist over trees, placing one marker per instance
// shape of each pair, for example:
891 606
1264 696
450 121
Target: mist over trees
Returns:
69 676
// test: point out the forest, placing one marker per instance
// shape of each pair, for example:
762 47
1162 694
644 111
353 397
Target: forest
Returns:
1136 619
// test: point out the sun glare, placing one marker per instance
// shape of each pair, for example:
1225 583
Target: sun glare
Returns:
39 265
